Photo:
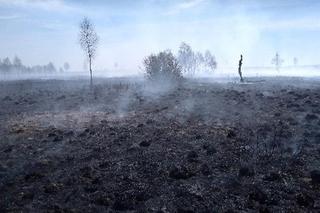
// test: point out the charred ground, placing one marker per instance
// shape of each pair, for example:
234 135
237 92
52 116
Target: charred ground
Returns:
130 146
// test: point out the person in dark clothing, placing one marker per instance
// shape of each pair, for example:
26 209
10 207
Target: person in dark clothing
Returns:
239 70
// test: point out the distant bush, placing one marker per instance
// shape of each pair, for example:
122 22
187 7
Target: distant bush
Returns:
163 66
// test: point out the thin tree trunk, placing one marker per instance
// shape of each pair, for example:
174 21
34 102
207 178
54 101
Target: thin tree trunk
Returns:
91 83
239 69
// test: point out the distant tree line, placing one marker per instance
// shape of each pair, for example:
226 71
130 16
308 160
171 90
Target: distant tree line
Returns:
166 66
192 62
16 66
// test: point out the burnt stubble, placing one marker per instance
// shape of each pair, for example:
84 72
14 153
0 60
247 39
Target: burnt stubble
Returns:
125 145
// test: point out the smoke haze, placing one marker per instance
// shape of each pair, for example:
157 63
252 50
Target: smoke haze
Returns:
39 31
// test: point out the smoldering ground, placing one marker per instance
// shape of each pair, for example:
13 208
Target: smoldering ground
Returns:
128 145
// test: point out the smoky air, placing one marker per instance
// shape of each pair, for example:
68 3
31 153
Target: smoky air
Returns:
159 106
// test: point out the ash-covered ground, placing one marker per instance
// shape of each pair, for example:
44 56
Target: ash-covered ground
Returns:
132 146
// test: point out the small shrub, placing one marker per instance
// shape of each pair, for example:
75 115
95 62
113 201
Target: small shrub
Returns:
162 67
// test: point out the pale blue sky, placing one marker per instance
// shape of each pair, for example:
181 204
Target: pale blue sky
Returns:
39 31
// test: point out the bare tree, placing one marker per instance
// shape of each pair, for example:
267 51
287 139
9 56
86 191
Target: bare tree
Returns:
210 61
6 62
66 66
187 59
50 67
295 61
240 68
88 41
199 60
277 61
17 62
192 62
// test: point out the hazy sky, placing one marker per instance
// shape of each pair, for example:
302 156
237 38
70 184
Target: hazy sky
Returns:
39 31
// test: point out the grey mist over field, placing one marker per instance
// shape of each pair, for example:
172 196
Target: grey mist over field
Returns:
46 33
160 106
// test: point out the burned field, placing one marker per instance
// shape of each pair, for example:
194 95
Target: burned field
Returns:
130 146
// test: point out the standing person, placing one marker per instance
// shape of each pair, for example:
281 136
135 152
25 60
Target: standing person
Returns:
239 70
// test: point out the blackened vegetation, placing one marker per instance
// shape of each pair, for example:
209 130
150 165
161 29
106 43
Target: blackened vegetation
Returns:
197 148
240 68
